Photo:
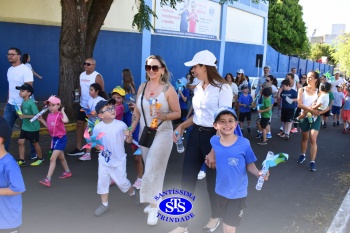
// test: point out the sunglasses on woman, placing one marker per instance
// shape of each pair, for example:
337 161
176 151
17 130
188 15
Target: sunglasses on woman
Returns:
154 68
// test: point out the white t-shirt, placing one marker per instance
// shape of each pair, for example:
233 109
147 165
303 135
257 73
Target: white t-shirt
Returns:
336 83
17 76
28 65
234 90
85 82
338 97
206 102
92 104
113 153
323 99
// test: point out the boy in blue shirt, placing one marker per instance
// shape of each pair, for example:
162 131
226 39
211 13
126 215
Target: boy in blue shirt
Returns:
245 101
11 185
234 156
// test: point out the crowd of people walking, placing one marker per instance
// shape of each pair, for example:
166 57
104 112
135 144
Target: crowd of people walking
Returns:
209 110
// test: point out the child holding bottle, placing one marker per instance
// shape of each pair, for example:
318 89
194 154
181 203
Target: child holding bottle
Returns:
55 125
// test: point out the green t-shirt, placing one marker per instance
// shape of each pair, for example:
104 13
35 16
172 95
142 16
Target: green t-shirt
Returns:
331 97
266 103
29 108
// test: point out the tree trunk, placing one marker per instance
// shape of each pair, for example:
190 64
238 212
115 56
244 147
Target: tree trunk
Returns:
77 42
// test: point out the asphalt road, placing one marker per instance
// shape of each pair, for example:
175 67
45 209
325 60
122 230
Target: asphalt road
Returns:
293 200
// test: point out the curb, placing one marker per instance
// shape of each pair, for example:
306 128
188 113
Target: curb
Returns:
42 131
341 219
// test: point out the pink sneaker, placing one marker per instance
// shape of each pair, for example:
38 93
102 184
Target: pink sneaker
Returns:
294 130
65 175
85 157
45 182
137 184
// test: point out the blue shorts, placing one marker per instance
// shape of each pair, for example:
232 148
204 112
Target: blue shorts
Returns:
59 143
336 110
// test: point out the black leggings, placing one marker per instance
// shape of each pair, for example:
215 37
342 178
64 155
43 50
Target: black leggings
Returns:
197 148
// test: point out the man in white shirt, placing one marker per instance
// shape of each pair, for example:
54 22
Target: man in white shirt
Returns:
262 79
294 71
337 82
17 75
88 77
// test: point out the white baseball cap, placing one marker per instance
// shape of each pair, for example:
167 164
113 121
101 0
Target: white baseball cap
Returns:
240 71
337 72
204 57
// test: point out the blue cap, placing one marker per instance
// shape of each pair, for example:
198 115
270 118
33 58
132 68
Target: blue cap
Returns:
224 110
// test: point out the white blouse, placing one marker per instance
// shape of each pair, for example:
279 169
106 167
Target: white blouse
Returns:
206 102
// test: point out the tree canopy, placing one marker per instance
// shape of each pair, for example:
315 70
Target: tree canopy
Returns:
342 52
286 28
318 50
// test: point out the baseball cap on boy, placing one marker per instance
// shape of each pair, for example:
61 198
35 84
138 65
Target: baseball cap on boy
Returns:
204 57
53 99
103 103
339 86
337 72
244 87
240 71
26 87
224 110
5 129
118 90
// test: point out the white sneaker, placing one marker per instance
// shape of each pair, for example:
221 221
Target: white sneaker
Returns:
201 175
137 183
147 209
152 216
85 157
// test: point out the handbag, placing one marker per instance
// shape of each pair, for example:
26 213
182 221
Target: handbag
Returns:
148 134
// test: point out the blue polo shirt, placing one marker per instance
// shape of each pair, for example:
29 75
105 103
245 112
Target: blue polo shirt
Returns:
10 206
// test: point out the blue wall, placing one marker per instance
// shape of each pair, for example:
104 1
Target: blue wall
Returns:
241 56
115 51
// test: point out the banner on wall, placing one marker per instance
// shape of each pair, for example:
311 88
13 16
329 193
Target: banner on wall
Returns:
191 18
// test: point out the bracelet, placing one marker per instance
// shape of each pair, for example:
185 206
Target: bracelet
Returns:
164 118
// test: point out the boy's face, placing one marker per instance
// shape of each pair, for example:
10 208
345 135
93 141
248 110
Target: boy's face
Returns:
226 124
24 93
285 87
245 91
53 107
107 112
117 98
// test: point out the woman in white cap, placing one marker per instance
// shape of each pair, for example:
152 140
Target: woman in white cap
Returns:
211 92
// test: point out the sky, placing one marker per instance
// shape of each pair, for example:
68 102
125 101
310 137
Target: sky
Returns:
321 14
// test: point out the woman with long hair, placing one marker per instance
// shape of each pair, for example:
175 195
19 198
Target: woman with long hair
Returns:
157 155
128 82
309 130
211 92
230 80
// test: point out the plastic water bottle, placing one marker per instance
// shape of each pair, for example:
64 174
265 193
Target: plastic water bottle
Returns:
76 96
309 117
179 143
152 104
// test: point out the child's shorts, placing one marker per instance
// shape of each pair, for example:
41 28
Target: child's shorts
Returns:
287 114
231 210
244 115
59 143
346 115
336 110
32 136
264 122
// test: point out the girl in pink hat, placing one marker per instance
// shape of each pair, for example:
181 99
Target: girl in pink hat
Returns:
55 125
